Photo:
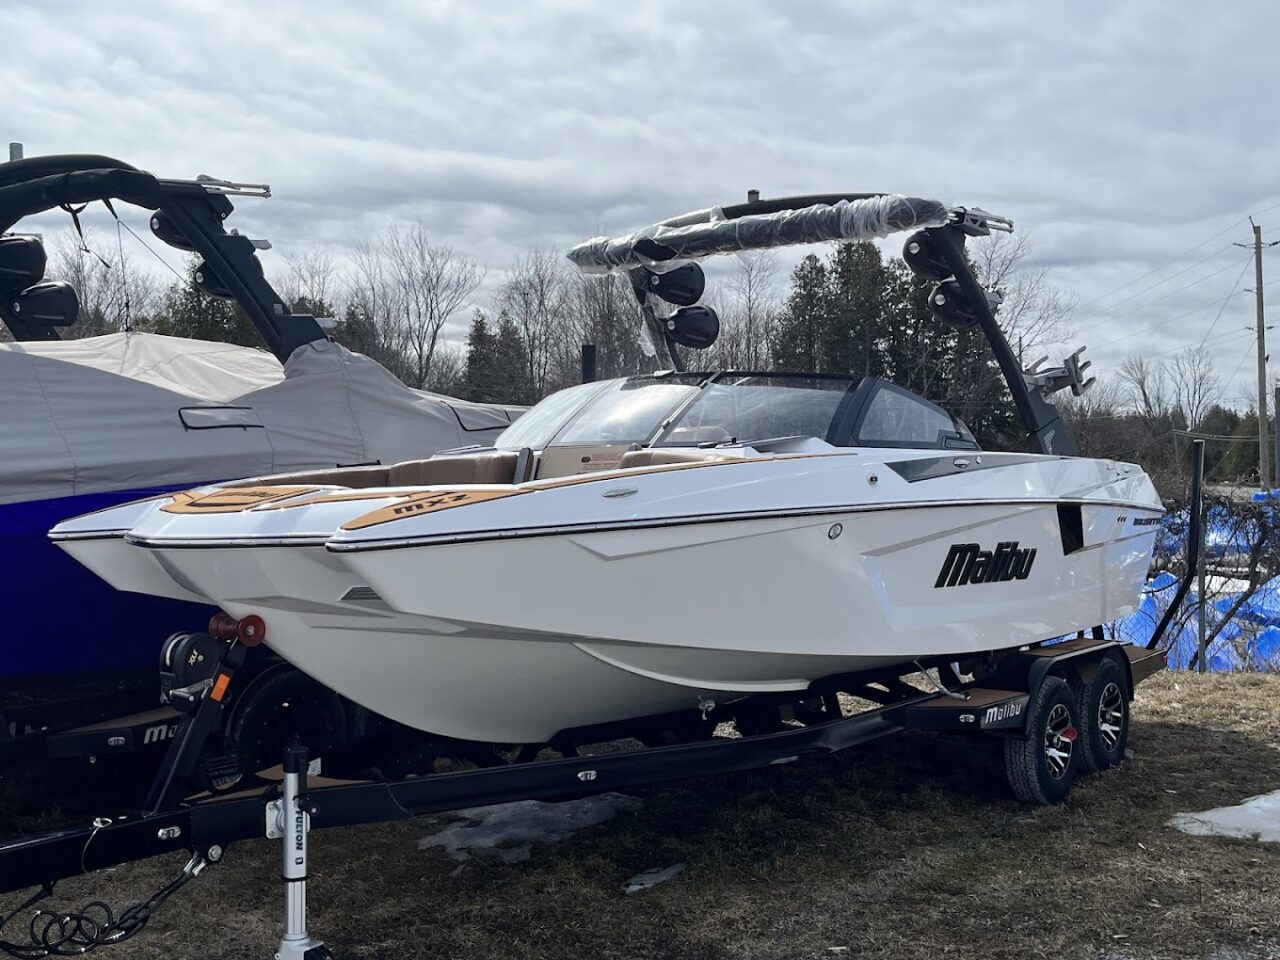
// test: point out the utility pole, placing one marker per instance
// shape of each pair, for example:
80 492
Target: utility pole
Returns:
1264 451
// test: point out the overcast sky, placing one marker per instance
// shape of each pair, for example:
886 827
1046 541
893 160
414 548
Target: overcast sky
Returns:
1121 135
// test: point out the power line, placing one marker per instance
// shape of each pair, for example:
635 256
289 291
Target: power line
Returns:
1204 306
1109 312
1223 308
1157 269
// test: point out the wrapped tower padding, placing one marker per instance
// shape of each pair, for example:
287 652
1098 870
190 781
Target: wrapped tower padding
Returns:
864 219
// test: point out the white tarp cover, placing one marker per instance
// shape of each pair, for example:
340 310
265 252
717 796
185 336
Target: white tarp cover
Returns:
105 414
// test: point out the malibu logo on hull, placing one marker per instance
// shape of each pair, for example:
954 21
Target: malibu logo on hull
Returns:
968 563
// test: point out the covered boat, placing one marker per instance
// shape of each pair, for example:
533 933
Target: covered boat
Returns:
88 424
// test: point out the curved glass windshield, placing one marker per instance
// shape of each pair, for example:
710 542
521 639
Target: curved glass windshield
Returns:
629 411
698 409
536 427
739 408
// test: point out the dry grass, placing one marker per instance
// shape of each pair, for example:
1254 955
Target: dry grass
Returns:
908 848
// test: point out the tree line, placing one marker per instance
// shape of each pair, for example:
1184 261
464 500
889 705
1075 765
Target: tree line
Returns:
848 309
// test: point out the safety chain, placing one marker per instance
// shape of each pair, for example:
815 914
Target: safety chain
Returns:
59 934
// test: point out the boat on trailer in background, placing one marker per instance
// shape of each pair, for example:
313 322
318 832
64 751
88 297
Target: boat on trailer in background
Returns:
90 424
657 558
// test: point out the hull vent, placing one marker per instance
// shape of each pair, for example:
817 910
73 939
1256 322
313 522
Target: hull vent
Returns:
361 595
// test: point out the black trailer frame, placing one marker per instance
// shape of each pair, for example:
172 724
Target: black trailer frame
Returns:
207 824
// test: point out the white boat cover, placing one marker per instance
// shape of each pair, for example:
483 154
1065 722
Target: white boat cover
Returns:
138 411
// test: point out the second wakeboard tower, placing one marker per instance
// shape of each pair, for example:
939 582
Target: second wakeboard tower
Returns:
186 214
661 262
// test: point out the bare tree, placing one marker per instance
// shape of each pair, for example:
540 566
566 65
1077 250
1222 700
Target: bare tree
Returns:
372 322
448 368
1194 383
114 294
750 309
536 296
311 281
432 282
1034 311
602 311
1148 390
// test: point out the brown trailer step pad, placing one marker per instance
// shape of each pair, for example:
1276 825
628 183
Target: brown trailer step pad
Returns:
1144 662
117 735
982 709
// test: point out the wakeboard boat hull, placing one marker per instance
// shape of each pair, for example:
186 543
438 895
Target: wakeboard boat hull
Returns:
690 592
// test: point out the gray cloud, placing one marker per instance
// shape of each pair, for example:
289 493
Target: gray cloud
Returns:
1122 134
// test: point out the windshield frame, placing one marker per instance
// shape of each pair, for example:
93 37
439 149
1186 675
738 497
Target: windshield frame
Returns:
842 432
853 381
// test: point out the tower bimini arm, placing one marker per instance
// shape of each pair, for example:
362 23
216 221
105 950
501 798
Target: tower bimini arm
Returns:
187 214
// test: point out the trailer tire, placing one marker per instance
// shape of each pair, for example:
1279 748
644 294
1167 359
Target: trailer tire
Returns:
278 703
1102 705
1042 766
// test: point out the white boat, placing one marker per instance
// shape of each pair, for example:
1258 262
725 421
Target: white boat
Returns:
673 542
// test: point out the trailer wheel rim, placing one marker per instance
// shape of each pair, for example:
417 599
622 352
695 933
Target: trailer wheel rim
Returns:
1110 715
1058 741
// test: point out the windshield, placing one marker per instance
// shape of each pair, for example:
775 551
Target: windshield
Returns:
629 411
740 408
536 428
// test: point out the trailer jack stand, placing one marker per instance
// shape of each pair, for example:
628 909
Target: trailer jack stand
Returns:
289 820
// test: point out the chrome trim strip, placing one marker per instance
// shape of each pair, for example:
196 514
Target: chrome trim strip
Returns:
88 535
356 546
310 540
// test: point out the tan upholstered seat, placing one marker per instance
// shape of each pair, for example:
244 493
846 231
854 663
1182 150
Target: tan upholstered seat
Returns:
655 458
496 466
360 477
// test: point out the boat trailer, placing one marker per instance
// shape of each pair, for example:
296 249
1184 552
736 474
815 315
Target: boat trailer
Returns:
291 800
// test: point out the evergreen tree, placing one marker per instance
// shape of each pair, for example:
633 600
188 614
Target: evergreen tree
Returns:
803 321
855 312
511 364
1219 421
1241 459
480 378
188 312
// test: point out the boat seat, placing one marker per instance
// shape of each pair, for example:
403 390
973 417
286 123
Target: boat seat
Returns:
359 477
659 457
496 466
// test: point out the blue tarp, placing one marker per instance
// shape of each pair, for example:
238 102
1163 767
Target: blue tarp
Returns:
1251 641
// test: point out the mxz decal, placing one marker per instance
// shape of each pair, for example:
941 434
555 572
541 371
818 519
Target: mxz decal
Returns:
968 563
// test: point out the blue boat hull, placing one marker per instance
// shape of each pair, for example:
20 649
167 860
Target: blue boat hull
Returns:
63 622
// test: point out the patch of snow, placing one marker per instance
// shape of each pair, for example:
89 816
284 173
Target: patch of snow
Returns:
651 878
1258 818
508 830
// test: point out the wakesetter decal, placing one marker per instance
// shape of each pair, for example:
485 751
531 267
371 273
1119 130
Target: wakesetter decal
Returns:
968 563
